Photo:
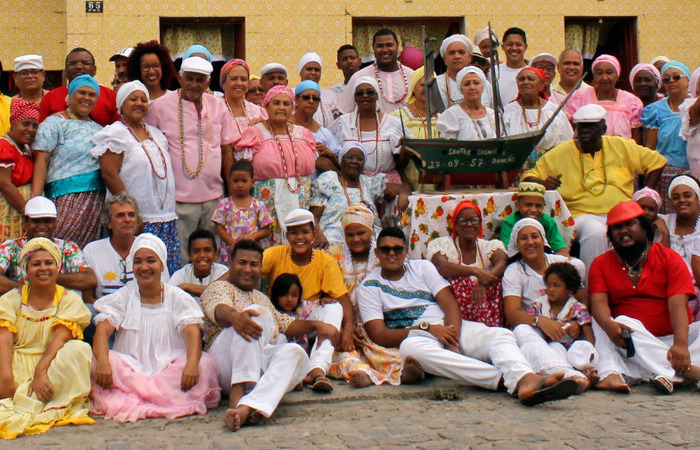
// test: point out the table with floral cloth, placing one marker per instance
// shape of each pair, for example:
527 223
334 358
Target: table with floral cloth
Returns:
428 215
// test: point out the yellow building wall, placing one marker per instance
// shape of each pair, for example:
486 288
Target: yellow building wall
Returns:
283 30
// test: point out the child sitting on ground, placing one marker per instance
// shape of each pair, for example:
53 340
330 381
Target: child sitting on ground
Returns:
562 280
530 203
285 296
651 202
240 216
194 277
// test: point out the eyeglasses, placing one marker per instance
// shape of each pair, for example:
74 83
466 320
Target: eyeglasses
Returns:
307 97
83 63
368 93
123 278
677 77
29 73
146 68
358 158
386 249
464 221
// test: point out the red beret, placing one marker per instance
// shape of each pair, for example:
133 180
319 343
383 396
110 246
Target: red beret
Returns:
624 212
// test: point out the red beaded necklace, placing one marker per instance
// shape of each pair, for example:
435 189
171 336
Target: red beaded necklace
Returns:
379 82
284 159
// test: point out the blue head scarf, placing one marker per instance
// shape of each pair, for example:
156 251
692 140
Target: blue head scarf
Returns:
307 84
82 81
676 65
197 49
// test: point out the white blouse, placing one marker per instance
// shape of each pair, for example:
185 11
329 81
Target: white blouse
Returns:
149 337
455 123
559 131
146 169
447 246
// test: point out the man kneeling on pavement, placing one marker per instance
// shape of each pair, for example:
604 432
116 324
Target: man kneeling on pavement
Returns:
409 305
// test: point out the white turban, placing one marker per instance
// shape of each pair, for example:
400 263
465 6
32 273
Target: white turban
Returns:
456 38
129 88
307 58
484 34
151 242
466 71
367 80
519 225
683 180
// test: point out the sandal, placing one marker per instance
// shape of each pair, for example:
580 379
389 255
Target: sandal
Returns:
558 391
321 384
662 384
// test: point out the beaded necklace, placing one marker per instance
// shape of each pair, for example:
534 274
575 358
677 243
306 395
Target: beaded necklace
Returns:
379 83
345 189
284 159
74 117
534 124
245 114
450 100
154 172
376 139
478 127
201 156
423 119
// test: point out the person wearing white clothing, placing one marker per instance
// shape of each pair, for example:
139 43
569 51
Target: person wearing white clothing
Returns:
456 51
407 304
514 46
639 293
241 326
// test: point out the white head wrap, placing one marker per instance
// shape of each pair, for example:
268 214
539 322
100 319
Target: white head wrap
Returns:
683 180
129 88
519 225
456 38
466 71
367 80
196 64
484 34
307 58
349 145
151 242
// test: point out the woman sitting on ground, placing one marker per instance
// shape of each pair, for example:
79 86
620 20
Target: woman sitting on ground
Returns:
44 364
156 367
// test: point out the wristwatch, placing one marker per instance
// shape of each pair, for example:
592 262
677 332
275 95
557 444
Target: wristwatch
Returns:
424 325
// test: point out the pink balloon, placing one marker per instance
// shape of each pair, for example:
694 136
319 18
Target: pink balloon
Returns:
411 57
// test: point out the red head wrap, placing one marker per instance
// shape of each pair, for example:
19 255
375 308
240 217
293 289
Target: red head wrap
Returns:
21 109
540 73
465 204
230 65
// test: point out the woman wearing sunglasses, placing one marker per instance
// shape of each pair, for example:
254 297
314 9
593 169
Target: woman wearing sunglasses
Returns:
308 97
473 266
380 134
662 125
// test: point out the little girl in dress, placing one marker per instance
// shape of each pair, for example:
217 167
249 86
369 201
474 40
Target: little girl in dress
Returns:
240 216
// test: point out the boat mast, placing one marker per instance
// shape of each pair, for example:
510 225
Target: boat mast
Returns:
495 74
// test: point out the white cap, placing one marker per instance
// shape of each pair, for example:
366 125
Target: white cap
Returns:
39 207
297 217
272 67
590 113
29 62
546 57
125 52
195 64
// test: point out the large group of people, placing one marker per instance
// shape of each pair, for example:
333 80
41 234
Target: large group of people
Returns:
171 241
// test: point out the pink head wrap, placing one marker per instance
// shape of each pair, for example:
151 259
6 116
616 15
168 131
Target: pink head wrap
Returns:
230 65
645 67
648 192
279 89
694 82
608 59
21 109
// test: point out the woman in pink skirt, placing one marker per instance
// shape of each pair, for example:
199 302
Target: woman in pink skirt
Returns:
156 367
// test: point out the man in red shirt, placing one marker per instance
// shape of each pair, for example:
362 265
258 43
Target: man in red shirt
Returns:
80 62
643 288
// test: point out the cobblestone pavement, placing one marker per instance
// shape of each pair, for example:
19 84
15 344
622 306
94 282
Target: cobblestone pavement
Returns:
390 417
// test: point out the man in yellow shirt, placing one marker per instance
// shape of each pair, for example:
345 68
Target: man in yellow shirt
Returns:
593 173
4 114
320 276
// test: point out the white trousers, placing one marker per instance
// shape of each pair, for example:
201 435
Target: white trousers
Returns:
550 358
487 355
321 356
591 232
272 370
651 352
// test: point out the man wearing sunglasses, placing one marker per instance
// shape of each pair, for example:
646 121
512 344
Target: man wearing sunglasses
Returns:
407 304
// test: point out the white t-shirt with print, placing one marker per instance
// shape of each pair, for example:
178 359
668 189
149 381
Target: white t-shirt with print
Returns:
186 275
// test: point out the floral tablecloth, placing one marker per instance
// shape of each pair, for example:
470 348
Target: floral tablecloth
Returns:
427 215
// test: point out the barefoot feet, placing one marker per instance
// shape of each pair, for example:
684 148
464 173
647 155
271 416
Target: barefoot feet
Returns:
359 379
412 371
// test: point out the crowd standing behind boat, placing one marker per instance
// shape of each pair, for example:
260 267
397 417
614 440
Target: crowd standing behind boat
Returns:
171 241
